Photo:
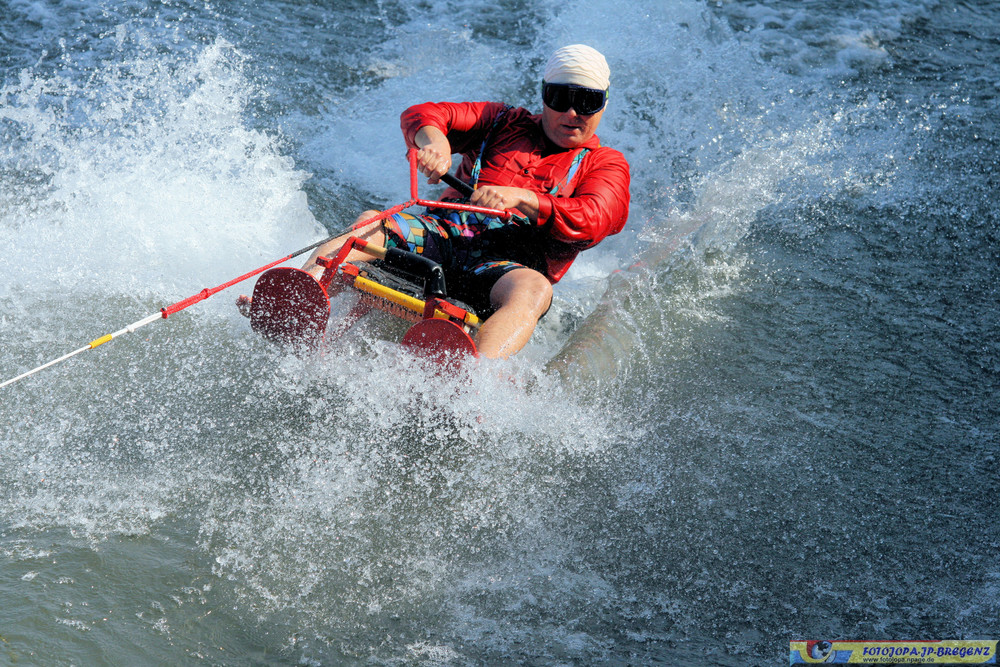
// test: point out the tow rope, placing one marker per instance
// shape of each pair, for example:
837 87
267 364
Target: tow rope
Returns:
164 313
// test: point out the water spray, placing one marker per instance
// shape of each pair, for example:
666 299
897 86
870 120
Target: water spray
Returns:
164 313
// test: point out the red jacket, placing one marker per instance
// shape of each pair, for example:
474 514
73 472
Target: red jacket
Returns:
519 154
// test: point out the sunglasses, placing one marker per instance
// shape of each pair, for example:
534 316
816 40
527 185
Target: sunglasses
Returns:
561 96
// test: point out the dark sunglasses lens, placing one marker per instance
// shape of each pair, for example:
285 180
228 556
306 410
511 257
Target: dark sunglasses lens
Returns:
588 101
560 97
556 97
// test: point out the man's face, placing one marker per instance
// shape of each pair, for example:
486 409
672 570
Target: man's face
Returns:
569 129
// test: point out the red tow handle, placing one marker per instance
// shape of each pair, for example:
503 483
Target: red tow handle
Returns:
451 206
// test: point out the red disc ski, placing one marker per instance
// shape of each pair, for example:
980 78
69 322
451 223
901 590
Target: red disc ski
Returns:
289 307
439 340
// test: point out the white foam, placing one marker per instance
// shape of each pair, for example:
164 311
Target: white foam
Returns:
150 181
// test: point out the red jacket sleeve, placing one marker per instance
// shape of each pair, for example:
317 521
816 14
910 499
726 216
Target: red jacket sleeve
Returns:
598 206
465 124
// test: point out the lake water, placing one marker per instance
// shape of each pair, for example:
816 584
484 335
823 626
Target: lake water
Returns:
779 421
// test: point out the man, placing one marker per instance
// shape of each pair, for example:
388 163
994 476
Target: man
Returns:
568 193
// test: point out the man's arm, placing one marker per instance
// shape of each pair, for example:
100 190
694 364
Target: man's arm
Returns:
433 153
434 161
599 205
503 198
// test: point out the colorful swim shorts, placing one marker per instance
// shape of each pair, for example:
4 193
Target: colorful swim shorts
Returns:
474 250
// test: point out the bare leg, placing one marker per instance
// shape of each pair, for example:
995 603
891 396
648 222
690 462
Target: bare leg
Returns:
522 296
371 232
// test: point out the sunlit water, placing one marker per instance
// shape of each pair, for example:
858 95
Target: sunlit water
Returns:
777 422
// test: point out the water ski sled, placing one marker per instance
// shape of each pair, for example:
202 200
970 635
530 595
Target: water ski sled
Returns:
290 307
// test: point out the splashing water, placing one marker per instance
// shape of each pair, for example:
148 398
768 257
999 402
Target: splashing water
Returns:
796 354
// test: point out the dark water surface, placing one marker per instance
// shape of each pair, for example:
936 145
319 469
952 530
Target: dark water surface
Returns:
788 427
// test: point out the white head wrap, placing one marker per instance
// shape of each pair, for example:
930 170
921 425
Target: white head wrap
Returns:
580 65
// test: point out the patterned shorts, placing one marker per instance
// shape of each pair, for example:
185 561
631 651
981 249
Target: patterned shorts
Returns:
474 250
